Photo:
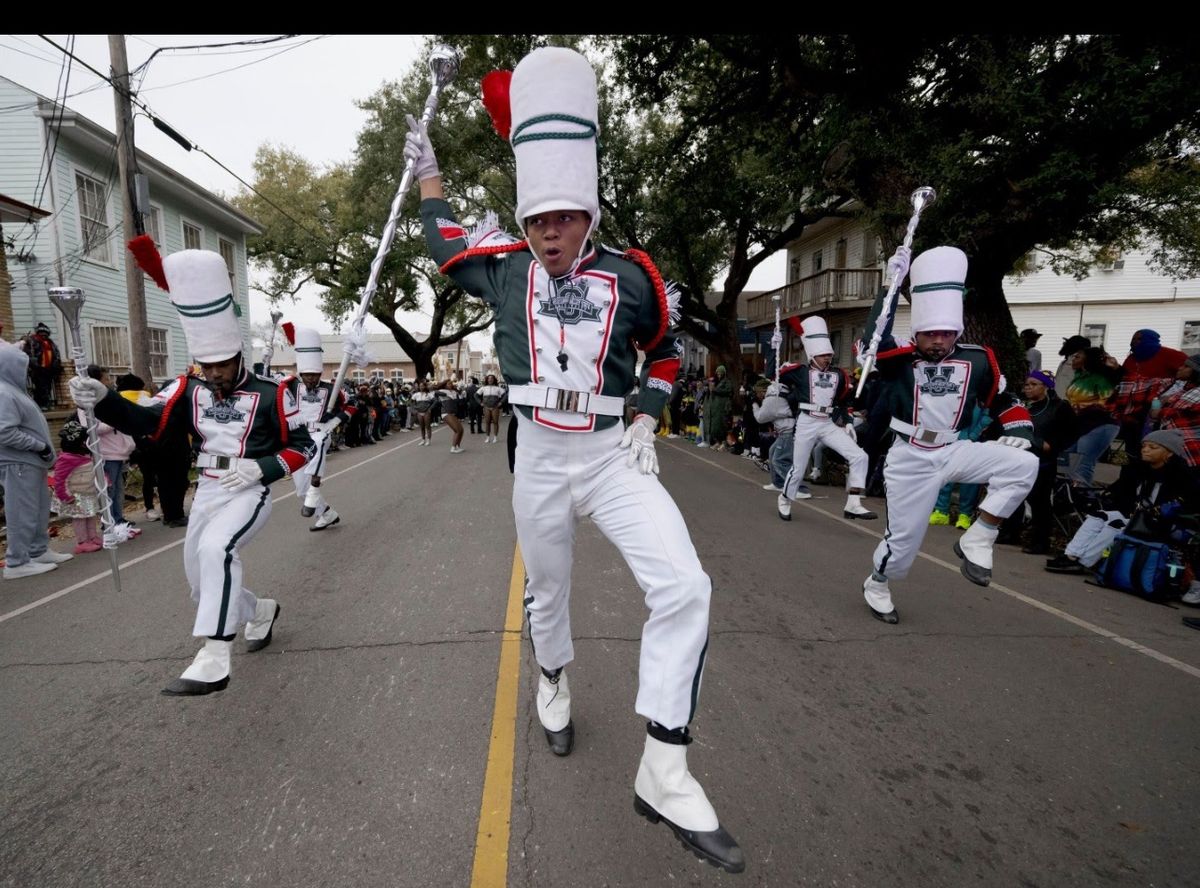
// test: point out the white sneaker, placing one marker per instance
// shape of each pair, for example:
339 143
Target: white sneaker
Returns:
52 557
701 444
672 435
456 450
153 515
772 486
28 569
1192 596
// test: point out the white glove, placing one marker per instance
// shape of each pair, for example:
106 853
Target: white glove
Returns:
1013 441
418 149
898 265
639 438
87 393
247 474
848 428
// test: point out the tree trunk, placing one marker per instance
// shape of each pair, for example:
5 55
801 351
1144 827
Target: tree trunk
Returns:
989 322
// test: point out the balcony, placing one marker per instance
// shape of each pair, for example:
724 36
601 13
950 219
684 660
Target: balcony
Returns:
830 288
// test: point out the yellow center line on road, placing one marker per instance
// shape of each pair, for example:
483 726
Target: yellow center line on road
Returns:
490 869
1186 668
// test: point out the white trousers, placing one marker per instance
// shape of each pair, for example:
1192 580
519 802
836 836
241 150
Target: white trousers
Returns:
913 476
561 477
315 466
219 524
809 433
1094 536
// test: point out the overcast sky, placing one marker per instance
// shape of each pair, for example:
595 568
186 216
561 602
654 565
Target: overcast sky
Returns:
299 93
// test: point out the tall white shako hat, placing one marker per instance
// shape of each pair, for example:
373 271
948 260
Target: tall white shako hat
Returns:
555 122
199 287
814 333
936 283
306 343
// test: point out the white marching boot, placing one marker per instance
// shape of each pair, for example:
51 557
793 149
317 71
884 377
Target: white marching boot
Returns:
975 549
879 600
258 630
554 711
855 509
328 518
312 501
665 790
783 506
209 672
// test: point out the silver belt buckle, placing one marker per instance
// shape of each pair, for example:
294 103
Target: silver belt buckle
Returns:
567 400
927 437
222 462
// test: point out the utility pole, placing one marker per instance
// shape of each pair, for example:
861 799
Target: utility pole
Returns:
135 285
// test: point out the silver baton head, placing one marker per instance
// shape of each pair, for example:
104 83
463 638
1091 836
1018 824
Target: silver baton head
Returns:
443 65
923 197
275 316
69 301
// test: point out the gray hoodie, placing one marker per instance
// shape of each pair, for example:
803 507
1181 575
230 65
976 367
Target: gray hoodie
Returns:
23 429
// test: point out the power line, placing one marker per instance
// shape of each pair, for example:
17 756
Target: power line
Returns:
55 129
235 67
318 239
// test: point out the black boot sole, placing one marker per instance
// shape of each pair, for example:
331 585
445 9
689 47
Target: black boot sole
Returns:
866 516
892 617
983 578
186 687
260 643
561 742
307 512
735 863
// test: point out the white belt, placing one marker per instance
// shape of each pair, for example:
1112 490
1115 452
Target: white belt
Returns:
924 436
219 462
565 399
816 408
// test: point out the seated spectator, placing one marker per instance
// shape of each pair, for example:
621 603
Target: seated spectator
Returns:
1054 429
1090 396
1160 489
1177 407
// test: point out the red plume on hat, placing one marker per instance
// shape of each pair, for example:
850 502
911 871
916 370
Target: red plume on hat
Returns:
495 99
148 259
796 324
289 330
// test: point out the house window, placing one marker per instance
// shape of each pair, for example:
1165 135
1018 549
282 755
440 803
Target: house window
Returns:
397 373
93 218
1095 334
1190 341
816 261
154 225
193 237
870 250
227 254
110 348
359 375
794 270
160 359
839 253
377 375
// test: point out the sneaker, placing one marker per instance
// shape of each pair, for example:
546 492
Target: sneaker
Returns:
672 436
963 522
1063 564
939 519
52 557
28 569
701 444
153 515
456 450
176 522
772 486
1192 596
86 547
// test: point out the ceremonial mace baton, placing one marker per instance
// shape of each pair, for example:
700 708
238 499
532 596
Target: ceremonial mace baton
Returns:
69 301
777 336
443 66
921 198
269 351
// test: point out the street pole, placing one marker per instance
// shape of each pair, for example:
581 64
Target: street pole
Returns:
135 286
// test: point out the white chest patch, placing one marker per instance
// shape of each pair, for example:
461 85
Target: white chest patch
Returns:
224 424
570 326
939 393
312 404
822 387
